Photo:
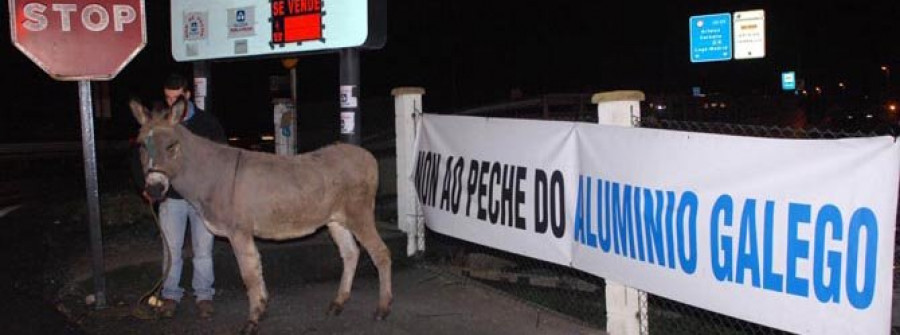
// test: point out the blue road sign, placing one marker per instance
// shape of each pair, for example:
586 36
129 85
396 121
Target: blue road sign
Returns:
788 81
710 37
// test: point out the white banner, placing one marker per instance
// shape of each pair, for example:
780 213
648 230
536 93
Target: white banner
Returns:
489 195
793 234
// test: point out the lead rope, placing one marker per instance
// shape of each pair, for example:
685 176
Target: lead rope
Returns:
152 297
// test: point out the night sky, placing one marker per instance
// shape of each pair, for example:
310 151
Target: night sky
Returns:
466 53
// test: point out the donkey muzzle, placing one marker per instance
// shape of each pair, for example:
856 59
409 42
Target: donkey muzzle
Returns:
157 184
156 191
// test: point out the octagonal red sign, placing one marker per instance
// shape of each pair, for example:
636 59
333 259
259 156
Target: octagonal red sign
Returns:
79 39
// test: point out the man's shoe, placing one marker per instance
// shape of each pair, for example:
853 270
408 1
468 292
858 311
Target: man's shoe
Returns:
167 310
206 308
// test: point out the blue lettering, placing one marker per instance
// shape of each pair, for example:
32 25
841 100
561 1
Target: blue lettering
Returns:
626 212
579 213
591 237
721 264
639 229
687 255
748 259
670 231
829 215
603 225
771 280
621 215
862 218
653 224
796 248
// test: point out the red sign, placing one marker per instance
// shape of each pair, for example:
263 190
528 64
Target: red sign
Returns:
296 21
79 39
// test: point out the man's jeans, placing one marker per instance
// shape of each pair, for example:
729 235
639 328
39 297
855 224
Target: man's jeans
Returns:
173 219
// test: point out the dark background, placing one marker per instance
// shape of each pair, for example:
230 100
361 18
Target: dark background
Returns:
467 53
464 53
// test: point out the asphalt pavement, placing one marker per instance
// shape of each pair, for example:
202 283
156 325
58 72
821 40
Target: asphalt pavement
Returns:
302 277
46 276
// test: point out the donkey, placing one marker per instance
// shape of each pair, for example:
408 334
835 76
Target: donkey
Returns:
243 194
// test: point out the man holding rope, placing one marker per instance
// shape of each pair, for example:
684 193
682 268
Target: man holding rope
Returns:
175 213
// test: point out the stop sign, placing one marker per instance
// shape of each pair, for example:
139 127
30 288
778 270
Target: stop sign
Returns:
79 39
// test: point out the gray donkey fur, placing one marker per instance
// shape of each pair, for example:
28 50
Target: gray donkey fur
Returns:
243 194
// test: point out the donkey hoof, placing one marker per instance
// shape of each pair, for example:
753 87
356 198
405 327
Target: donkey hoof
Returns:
251 328
382 313
335 309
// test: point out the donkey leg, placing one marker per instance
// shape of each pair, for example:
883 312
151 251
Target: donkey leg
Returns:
381 257
251 272
350 255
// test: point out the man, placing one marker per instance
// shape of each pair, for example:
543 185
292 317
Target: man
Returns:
175 213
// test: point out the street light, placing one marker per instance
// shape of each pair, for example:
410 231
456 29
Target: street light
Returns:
887 78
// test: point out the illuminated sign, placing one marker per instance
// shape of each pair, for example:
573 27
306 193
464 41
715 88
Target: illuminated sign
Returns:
229 29
749 34
710 37
296 21
788 81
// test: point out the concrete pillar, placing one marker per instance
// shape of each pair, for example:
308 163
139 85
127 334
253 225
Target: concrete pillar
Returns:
626 307
407 112
619 108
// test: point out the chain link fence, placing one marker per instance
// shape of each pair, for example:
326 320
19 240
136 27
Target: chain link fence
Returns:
577 294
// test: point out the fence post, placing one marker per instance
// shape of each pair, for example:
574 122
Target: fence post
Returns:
626 307
407 108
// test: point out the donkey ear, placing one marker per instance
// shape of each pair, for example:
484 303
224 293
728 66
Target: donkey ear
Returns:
176 113
141 114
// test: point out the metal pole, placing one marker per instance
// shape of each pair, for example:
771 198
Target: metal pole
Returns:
351 125
294 85
296 119
93 194
202 85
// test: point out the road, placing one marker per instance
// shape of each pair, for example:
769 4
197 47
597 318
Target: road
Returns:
12 196
41 195
32 245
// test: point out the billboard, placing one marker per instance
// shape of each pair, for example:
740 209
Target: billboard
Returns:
229 29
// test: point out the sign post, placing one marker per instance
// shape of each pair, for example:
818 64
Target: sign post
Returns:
93 191
349 81
59 36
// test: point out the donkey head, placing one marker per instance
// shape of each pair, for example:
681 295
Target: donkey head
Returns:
160 146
